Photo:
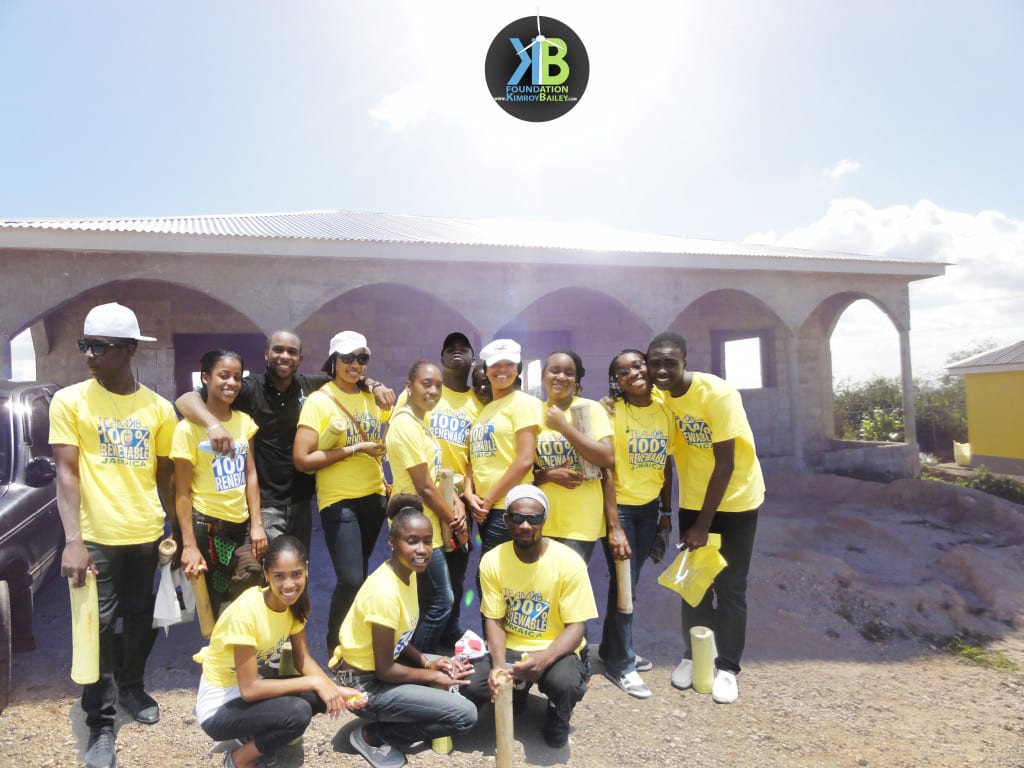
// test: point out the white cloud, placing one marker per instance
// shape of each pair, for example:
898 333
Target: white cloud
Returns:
980 297
843 167
409 104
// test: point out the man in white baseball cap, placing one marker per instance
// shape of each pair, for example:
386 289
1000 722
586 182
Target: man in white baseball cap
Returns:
111 438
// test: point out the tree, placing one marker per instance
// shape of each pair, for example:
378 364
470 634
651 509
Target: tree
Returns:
873 410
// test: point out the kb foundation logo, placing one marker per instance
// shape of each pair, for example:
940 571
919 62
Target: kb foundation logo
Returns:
537 75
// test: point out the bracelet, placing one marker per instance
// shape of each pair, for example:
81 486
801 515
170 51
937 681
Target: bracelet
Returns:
215 426
76 537
376 384
664 513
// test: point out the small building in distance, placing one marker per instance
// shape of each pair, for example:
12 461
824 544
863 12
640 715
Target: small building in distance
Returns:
994 381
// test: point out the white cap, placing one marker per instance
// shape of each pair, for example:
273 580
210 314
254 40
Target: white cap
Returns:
347 342
114 321
501 349
527 492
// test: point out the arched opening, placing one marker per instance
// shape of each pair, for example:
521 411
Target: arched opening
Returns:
185 322
593 324
401 325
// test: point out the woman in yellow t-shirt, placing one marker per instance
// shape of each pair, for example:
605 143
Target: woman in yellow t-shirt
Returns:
217 497
235 700
415 457
347 463
502 442
578 509
644 435
409 696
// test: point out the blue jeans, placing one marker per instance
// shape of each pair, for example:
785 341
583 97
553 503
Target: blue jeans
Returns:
493 531
640 524
435 598
724 607
458 564
403 714
351 527
124 586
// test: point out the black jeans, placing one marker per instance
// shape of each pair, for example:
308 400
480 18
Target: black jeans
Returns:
724 607
271 723
351 527
564 682
124 587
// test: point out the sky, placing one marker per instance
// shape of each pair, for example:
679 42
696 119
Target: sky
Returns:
888 128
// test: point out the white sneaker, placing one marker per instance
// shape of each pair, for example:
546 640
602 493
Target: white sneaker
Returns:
682 675
384 756
631 683
725 690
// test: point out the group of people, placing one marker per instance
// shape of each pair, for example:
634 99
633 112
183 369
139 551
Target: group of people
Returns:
544 482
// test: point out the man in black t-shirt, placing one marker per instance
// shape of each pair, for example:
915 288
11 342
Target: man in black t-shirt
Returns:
274 399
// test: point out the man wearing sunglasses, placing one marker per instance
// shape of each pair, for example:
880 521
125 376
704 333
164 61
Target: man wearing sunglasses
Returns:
536 599
111 438
274 399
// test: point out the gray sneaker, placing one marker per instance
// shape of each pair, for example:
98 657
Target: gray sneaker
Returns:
642 664
101 752
384 756
631 683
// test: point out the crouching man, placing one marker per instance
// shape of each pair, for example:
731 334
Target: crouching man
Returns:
535 599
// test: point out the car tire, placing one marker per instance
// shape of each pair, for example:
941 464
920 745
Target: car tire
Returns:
5 646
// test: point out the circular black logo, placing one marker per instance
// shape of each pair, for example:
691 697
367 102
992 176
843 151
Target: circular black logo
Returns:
537 69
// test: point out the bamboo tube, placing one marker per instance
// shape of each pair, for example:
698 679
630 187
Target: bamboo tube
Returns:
286 666
168 549
85 631
580 414
203 608
625 591
329 437
504 728
702 643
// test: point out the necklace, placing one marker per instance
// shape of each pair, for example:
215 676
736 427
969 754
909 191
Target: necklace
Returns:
642 415
113 402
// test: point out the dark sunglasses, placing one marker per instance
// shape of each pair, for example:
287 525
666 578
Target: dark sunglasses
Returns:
362 358
636 365
99 348
518 518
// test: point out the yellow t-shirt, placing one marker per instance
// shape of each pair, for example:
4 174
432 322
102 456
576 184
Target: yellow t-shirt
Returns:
218 482
450 421
535 600
645 436
576 513
356 476
383 599
410 443
492 439
119 438
711 412
246 621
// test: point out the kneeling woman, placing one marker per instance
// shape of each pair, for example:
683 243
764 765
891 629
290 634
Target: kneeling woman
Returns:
408 696
234 701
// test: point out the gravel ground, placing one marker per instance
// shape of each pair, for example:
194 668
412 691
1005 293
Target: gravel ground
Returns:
854 589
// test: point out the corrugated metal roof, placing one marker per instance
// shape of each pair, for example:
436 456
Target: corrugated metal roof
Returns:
1009 357
401 228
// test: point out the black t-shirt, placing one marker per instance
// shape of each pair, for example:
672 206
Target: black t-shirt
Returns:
277 415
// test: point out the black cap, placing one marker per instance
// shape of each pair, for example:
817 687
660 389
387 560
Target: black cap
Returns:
456 336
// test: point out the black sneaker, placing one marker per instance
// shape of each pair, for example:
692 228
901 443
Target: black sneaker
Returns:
556 728
101 752
140 705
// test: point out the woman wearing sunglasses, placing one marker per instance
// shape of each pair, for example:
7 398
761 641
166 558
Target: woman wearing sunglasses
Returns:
644 435
340 437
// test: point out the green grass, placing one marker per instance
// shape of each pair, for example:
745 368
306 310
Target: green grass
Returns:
981 657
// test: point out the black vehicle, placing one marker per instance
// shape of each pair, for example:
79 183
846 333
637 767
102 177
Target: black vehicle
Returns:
31 535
